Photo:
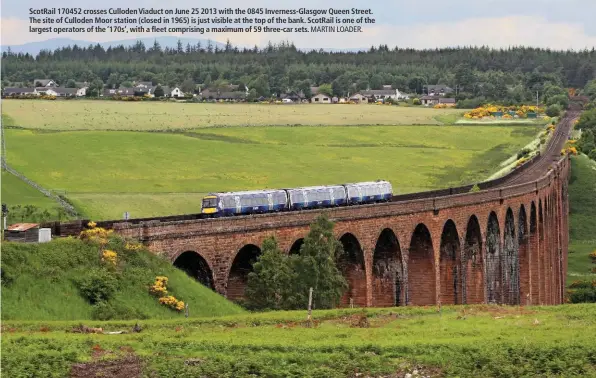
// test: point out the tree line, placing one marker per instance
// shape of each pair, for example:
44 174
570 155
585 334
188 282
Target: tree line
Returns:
507 75
587 123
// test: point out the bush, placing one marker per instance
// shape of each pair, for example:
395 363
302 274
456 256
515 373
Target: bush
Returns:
98 285
592 154
524 152
416 101
554 110
475 189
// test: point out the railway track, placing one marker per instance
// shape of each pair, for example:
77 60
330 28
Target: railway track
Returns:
551 155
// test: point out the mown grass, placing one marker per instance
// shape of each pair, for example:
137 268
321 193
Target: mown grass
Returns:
39 282
582 218
147 174
468 341
116 115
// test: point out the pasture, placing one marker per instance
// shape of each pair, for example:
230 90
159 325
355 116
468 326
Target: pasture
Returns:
118 115
106 173
463 341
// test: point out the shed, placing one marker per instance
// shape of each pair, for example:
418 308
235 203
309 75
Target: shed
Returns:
23 232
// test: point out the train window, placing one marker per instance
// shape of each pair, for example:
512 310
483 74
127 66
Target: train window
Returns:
209 202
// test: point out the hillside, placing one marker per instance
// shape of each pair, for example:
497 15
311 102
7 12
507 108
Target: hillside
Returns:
582 222
42 282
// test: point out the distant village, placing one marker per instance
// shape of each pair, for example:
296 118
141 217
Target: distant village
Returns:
433 94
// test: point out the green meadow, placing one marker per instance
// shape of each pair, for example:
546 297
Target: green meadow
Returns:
463 341
105 173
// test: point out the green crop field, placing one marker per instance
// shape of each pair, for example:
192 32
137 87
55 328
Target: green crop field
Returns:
117 115
105 173
17 192
463 341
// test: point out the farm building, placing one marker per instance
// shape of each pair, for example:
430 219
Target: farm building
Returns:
27 233
321 99
434 100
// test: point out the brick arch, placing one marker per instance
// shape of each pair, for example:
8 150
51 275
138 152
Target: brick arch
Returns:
352 263
421 268
449 264
542 251
295 248
473 263
523 240
493 260
239 270
195 266
510 261
388 271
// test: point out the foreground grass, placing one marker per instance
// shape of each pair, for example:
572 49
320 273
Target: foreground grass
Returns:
468 341
582 218
149 174
116 115
39 282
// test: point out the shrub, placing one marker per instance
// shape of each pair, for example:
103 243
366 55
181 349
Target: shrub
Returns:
416 101
475 188
592 154
524 152
97 285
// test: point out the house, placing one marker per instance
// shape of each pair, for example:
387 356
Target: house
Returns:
122 92
439 90
292 96
223 96
44 83
176 92
437 99
359 98
320 99
60 92
20 92
334 100
144 84
383 94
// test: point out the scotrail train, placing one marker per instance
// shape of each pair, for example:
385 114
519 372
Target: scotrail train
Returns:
313 197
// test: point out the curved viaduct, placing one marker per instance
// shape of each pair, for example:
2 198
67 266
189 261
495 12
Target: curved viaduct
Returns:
505 244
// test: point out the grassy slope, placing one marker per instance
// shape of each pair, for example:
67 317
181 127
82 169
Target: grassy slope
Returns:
138 172
468 341
116 115
16 192
582 222
38 283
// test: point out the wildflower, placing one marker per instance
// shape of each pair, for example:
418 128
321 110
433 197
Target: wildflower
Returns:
109 257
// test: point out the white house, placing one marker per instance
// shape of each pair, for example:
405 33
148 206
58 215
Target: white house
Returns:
176 92
320 99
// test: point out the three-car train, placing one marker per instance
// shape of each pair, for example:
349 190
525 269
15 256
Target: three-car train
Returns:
313 197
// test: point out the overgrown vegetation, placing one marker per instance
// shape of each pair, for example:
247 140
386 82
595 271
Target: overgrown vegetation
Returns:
72 279
458 341
280 281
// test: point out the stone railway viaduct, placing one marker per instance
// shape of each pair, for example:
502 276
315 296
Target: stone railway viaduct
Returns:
505 244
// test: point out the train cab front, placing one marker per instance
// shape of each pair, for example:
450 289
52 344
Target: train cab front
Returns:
209 207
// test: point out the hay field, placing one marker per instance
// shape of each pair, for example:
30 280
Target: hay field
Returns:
118 115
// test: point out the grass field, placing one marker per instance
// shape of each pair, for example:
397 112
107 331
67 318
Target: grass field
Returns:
106 173
16 192
582 218
464 341
117 115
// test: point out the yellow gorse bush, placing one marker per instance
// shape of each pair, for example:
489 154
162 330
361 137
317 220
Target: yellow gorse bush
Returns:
133 246
488 110
172 302
159 288
96 234
109 257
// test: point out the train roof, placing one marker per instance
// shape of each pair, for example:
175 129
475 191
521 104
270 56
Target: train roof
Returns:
370 182
246 192
316 187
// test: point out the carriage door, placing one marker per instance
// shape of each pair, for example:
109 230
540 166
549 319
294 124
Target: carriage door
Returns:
238 205
270 200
